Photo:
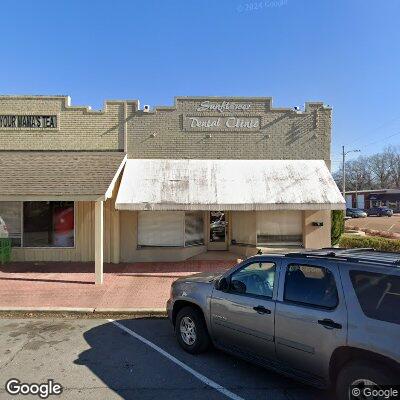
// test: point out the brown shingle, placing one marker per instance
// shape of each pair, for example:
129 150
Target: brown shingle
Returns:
57 173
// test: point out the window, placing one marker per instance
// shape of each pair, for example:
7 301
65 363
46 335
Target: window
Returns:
11 214
279 227
194 228
255 279
378 294
48 224
161 228
311 285
170 228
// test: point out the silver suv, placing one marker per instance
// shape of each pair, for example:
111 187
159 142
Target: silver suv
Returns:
330 318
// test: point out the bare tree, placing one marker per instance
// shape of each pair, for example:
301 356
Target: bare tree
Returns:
379 171
394 161
379 165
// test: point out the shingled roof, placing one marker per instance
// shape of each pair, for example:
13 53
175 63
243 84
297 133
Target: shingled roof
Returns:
58 175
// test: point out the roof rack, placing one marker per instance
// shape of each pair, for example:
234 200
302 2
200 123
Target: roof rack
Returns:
365 255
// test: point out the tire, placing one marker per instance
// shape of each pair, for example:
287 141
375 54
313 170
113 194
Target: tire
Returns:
191 317
354 371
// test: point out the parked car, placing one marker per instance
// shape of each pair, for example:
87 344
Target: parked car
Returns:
329 318
355 213
3 229
380 211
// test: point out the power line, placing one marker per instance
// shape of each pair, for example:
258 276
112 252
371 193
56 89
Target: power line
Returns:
374 130
380 140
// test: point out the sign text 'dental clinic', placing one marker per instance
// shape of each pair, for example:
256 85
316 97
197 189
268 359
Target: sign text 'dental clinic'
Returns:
194 123
28 121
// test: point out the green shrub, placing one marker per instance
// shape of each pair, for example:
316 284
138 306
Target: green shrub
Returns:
375 242
337 227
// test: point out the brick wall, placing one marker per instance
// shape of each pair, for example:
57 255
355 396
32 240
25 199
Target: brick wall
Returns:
79 128
283 133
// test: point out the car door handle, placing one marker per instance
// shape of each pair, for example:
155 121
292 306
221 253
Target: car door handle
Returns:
262 310
328 323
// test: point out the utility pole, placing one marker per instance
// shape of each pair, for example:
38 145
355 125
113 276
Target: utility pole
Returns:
344 154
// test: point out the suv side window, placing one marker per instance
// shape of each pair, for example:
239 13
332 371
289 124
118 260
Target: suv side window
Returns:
378 294
310 285
255 279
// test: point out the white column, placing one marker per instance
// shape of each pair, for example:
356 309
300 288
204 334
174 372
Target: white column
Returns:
98 241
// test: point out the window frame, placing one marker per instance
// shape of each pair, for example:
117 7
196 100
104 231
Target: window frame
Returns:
46 247
255 296
304 304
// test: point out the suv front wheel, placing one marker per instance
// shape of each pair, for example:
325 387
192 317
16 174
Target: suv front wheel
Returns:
191 330
356 376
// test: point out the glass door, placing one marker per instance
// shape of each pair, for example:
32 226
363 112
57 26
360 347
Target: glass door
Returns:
218 224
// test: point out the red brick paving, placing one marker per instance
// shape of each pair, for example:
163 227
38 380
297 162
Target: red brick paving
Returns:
54 284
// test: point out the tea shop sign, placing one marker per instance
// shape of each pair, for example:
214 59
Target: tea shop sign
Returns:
28 121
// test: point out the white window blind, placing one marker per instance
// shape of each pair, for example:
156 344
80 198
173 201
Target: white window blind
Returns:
161 228
283 226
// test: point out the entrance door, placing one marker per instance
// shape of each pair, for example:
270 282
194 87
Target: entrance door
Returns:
218 232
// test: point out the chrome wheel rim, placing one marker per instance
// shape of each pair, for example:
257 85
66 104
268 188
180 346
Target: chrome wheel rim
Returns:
187 330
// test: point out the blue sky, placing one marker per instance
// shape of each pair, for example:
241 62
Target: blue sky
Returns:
343 52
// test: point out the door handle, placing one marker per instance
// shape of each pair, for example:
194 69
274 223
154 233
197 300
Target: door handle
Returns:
262 310
329 324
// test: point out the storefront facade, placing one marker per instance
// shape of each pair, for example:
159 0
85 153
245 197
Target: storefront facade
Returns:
126 185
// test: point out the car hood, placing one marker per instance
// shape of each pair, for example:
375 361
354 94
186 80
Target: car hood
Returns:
203 277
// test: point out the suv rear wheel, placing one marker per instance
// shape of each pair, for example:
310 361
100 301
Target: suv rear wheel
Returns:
359 375
191 330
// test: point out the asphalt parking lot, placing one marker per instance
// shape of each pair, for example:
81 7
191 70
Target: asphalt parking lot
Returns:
391 224
96 359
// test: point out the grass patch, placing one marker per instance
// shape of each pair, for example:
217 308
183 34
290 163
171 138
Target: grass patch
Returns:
375 242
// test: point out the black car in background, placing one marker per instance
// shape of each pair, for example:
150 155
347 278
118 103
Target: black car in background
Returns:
380 211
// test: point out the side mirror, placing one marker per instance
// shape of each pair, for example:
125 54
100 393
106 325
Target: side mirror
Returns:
222 285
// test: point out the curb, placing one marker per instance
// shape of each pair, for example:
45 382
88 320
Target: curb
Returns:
101 312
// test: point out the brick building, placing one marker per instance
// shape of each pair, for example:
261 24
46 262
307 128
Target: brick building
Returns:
128 184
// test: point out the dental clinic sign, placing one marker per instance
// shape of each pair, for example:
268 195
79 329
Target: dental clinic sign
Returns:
238 122
200 123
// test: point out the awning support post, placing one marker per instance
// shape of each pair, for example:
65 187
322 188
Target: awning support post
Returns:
98 239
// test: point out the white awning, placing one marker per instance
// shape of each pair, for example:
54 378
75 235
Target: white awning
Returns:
242 185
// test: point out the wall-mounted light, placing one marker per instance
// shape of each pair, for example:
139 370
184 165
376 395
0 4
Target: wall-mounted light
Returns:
318 223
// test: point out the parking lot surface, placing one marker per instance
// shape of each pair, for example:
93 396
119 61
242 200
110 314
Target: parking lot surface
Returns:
96 359
391 224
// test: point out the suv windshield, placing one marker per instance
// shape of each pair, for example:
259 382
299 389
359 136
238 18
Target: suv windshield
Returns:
378 294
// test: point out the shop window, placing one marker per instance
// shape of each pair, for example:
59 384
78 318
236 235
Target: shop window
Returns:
194 228
161 228
279 227
11 221
170 228
48 224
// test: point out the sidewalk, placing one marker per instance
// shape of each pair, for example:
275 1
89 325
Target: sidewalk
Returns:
71 285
